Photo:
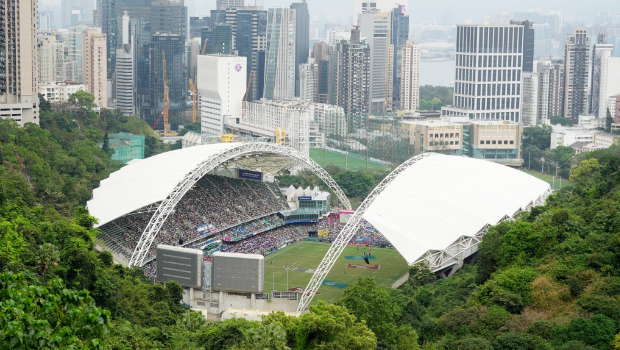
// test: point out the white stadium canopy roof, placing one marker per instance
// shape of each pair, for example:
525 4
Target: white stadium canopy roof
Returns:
439 199
167 176
146 181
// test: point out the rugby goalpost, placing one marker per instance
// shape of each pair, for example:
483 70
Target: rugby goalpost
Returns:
172 200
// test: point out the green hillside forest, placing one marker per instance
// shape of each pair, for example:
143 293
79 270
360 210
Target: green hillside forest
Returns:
548 280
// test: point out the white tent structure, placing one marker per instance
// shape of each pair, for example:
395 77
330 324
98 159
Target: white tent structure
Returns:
436 208
158 183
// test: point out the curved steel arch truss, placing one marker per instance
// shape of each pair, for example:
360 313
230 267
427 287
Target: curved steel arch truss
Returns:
437 260
347 232
168 204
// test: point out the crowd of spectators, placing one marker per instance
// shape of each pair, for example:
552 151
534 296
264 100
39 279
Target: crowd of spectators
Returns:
214 204
269 241
248 229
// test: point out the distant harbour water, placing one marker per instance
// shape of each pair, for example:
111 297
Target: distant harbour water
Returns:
437 73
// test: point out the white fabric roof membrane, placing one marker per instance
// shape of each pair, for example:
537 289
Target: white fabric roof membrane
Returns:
441 198
146 181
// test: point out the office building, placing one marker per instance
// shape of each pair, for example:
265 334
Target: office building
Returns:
410 77
223 4
375 27
352 79
173 47
323 54
196 24
126 94
309 81
221 87
18 62
109 14
489 64
576 73
94 65
291 116
302 38
280 54
249 28
605 77
528 44
220 39
398 40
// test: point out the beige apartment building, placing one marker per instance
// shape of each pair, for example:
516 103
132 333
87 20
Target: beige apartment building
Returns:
95 66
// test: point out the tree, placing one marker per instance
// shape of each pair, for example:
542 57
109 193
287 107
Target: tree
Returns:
362 299
83 100
586 173
333 327
538 136
355 183
48 256
49 317
44 105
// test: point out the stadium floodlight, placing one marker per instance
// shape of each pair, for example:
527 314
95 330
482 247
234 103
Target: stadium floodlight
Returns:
167 206
345 235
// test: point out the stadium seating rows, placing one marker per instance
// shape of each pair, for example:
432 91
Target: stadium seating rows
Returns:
215 203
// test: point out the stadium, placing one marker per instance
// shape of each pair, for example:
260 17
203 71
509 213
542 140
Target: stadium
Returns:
214 218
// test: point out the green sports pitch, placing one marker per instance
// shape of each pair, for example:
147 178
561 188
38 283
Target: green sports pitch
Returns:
328 157
302 258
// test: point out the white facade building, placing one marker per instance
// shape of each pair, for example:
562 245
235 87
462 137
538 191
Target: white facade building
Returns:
280 54
605 78
529 113
293 116
488 73
221 87
543 70
59 92
410 78
50 59
126 93
330 119
309 81
375 27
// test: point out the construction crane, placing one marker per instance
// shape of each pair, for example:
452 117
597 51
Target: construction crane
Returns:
204 46
247 89
166 121
192 89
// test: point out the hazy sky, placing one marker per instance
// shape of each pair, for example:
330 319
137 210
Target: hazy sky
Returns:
420 10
